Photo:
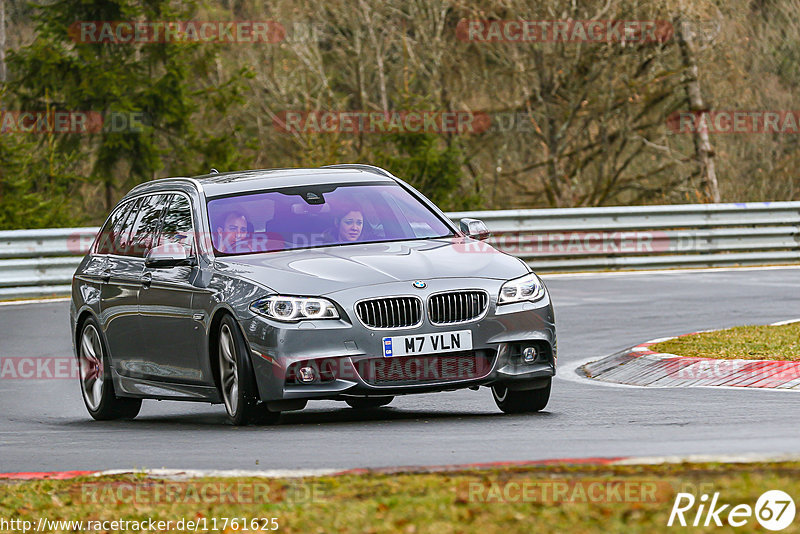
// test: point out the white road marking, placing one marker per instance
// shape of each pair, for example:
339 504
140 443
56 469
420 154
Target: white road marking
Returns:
660 340
709 458
34 301
570 373
789 321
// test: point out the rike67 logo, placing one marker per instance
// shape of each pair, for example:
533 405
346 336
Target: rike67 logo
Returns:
774 510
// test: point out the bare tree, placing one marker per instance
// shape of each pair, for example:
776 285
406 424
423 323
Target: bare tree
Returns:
704 151
589 119
2 41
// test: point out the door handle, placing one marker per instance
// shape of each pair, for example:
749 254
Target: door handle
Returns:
147 279
105 276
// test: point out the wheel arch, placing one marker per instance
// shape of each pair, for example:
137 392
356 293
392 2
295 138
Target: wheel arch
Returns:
213 339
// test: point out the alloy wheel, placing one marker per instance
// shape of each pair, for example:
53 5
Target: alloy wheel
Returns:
228 374
91 367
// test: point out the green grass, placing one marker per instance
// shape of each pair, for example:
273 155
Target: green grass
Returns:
415 503
742 342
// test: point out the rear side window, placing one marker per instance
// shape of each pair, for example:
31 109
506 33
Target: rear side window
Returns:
145 228
124 237
111 236
177 226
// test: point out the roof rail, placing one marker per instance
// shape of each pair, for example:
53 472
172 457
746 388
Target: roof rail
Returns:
360 166
148 183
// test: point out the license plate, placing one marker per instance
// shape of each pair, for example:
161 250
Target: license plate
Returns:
427 343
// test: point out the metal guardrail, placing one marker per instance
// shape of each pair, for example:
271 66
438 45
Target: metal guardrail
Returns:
35 263
648 237
41 262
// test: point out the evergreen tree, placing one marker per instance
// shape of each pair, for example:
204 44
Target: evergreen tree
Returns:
154 97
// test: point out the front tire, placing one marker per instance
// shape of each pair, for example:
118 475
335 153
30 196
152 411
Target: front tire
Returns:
236 379
367 403
526 401
97 386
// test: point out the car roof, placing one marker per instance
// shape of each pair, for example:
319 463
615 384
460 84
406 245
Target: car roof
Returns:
226 183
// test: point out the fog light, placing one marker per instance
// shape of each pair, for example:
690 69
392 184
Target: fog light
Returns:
306 374
529 354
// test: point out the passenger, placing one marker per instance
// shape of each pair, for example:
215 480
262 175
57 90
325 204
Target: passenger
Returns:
348 226
232 232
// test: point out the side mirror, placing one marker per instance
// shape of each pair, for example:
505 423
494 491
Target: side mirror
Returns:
169 255
475 228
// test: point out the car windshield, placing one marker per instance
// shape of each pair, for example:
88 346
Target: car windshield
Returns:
316 216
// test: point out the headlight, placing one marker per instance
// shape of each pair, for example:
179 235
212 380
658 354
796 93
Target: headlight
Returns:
528 287
292 309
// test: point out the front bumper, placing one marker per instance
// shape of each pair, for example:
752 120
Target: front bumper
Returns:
349 356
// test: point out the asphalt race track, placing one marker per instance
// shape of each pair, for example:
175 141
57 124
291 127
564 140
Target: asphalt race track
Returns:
44 425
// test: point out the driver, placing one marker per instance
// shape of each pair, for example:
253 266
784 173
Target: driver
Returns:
231 233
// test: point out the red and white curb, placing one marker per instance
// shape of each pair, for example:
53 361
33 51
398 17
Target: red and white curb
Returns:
183 474
640 366
186 474
173 474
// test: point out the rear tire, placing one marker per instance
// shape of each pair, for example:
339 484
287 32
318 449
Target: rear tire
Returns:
530 400
236 379
367 403
97 385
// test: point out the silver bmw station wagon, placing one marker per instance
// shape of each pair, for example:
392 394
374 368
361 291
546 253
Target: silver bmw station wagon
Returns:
265 289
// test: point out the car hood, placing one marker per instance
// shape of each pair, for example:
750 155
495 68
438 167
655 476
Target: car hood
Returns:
320 271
